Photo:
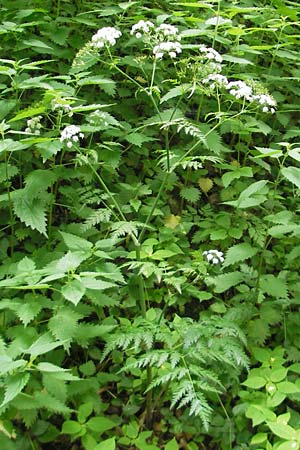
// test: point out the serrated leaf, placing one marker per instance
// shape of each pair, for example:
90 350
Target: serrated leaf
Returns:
236 173
14 384
92 283
176 92
64 323
238 253
73 291
227 280
205 184
138 139
76 243
172 221
43 344
108 85
274 286
191 194
32 213
292 174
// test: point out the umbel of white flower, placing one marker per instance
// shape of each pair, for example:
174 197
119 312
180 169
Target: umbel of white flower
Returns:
105 36
170 48
33 125
213 256
71 134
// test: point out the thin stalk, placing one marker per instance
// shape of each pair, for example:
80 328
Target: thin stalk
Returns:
149 407
11 215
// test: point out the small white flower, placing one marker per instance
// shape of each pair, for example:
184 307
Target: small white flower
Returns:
71 134
33 125
170 48
213 256
105 36
210 53
142 27
166 31
215 79
239 89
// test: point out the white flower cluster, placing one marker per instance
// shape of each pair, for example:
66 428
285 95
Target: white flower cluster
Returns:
71 134
215 80
211 53
33 125
62 105
164 39
241 90
214 256
142 27
105 36
170 48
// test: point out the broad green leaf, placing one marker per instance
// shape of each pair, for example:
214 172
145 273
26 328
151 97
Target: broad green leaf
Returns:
236 173
84 411
254 382
108 85
8 365
76 243
176 92
108 444
43 344
73 291
29 112
289 445
227 280
273 286
287 387
292 174
259 438
172 445
14 384
49 367
282 430
92 283
239 252
278 374
32 212
71 427
100 424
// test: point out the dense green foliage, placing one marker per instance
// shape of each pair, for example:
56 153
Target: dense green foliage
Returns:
131 160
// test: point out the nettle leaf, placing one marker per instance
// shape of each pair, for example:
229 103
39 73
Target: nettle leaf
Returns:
14 384
31 211
108 85
190 193
7 171
274 286
236 173
64 323
292 174
76 243
138 139
239 252
43 344
73 291
47 401
176 92
227 280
